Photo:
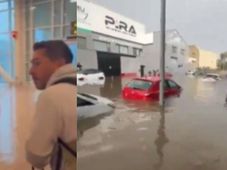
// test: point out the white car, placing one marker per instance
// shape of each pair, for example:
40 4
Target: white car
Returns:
89 105
211 77
190 73
90 76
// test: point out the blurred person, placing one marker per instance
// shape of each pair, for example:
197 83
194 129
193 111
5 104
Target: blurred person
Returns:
79 66
53 133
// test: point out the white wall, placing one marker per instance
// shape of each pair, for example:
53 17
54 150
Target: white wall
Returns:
87 58
129 65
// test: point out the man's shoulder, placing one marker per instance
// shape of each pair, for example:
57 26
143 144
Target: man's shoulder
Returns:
59 90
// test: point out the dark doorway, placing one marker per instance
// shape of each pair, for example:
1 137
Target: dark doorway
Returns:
109 63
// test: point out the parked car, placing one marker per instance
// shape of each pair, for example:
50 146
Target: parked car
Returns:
190 73
90 76
211 77
89 105
148 88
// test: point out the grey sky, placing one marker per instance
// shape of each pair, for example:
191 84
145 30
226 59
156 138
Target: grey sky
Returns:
200 22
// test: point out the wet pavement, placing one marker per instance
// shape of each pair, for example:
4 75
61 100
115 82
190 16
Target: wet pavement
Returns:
189 135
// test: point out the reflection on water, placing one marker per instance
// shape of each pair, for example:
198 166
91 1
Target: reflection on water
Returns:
189 135
112 87
161 140
85 124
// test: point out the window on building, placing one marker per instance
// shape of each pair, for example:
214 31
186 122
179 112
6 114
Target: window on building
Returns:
137 51
182 51
42 34
71 12
3 6
57 33
174 49
140 52
6 49
57 12
42 14
67 31
4 19
174 58
101 45
123 49
81 42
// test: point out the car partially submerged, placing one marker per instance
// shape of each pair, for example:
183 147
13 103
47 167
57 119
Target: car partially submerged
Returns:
90 76
89 105
211 77
148 88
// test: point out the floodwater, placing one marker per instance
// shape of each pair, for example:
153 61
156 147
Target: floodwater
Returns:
191 133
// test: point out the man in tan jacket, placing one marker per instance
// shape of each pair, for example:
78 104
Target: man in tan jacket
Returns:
55 116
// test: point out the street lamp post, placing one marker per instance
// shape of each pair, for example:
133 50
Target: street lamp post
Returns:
162 52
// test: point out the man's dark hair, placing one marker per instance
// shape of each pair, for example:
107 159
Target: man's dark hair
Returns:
55 49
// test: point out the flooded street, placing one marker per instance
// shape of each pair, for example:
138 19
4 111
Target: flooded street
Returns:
189 135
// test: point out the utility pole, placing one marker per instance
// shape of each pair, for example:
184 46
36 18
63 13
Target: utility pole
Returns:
162 52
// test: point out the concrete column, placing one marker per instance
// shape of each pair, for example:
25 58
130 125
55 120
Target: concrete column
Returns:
20 41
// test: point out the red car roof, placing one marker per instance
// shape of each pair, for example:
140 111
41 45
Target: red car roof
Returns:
151 78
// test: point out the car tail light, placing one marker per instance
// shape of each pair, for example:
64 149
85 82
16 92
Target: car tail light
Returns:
101 78
147 94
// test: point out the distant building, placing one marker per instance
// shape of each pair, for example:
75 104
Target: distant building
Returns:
193 57
176 54
223 57
208 59
200 58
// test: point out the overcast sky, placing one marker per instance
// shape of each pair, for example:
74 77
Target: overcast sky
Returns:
200 22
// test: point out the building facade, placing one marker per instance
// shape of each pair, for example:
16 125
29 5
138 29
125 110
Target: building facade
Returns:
193 57
208 59
109 41
200 58
176 53
119 45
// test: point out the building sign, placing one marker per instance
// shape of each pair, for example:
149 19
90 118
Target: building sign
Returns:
119 26
101 20
82 13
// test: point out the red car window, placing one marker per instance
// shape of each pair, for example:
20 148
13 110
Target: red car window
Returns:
140 84
172 84
166 85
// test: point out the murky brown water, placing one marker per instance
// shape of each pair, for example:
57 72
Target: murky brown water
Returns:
189 135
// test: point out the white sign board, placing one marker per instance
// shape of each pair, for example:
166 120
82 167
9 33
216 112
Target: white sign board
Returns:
101 20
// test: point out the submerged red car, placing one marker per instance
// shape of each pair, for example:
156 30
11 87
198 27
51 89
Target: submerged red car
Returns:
148 88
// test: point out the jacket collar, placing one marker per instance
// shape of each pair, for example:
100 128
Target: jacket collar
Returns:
66 71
